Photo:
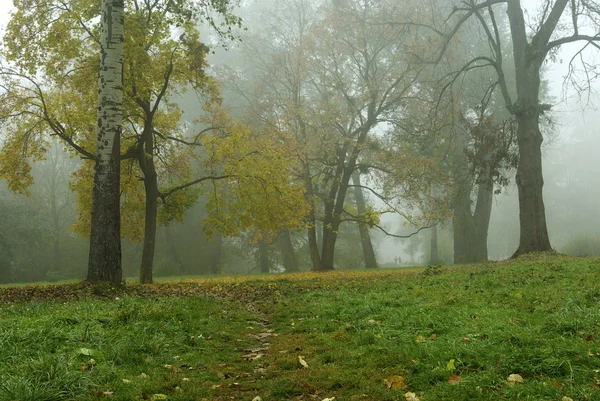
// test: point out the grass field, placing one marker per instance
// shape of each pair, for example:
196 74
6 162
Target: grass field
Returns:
436 334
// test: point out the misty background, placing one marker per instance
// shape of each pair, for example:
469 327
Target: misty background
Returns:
38 244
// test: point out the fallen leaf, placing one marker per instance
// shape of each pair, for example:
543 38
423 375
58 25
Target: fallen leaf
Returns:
143 375
220 375
514 379
565 398
433 336
108 393
395 383
419 339
185 379
453 379
328 399
125 381
450 366
411 397
302 362
157 397
257 398
172 368
466 340
253 356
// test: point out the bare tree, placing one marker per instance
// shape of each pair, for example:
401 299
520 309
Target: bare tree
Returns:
533 42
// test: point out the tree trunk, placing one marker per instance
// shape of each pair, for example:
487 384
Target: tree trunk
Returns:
214 258
146 161
263 256
313 244
530 182
529 58
365 238
150 220
434 254
105 237
481 221
290 264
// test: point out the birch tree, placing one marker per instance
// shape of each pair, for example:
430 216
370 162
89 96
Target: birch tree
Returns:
105 238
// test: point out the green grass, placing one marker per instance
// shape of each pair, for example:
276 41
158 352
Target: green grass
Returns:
538 317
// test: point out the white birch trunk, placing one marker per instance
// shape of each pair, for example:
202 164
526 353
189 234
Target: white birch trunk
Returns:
105 239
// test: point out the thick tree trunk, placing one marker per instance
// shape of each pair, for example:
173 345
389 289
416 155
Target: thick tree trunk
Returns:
215 251
263 257
290 264
530 182
434 258
471 229
365 238
529 58
105 237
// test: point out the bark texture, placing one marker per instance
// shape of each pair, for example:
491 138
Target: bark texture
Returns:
105 238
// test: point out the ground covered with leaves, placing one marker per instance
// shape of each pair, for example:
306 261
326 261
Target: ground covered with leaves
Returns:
527 329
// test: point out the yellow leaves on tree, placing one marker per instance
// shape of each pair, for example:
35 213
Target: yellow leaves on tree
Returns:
259 191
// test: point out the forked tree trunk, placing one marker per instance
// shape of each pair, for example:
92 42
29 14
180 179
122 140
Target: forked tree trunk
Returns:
105 237
290 264
529 58
471 228
365 237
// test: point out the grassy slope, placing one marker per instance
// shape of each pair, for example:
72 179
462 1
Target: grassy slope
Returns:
538 317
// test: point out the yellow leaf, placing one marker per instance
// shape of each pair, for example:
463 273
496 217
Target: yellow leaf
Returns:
411 397
395 383
450 366
514 379
302 361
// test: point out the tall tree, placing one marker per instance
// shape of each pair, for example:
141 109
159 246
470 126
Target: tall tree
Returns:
105 238
559 22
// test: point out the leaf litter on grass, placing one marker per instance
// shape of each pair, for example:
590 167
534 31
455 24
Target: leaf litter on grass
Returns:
350 356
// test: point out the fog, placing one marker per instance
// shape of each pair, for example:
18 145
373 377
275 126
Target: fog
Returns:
41 238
